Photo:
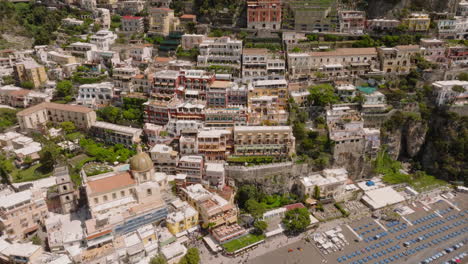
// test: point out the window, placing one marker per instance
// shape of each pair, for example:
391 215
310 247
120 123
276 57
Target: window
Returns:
105 198
148 191
114 196
96 200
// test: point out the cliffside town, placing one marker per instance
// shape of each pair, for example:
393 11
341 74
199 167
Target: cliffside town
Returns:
173 131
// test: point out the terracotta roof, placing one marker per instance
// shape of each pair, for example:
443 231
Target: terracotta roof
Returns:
131 17
99 234
139 76
162 59
21 92
63 107
107 184
188 16
290 207
221 84
345 52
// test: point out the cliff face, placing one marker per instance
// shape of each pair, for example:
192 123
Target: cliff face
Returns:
444 151
406 140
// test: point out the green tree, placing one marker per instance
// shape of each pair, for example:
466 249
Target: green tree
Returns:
458 89
158 260
316 192
110 114
48 156
296 220
64 88
245 193
7 118
463 76
260 227
36 240
27 85
322 95
68 127
8 79
255 208
192 257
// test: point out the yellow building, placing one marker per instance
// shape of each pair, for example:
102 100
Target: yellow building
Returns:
30 71
417 22
162 21
184 218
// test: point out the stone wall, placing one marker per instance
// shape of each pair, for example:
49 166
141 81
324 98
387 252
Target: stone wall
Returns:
273 178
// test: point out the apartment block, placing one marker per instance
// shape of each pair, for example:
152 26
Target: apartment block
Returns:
226 117
264 140
214 145
59 58
21 213
162 21
103 39
116 134
196 83
331 183
166 82
30 71
433 50
445 94
190 41
417 22
165 158
132 24
399 59
122 78
36 117
222 51
192 166
264 14
95 95
260 64
213 209
382 24
352 21
82 50
335 63
185 217
277 88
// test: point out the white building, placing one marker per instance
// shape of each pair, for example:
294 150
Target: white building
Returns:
445 93
93 95
116 134
82 50
215 174
191 165
331 183
382 197
103 39
222 51
122 78
70 21
260 64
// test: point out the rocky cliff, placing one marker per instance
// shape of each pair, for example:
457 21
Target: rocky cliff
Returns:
404 135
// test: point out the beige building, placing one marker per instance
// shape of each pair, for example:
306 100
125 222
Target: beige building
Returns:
36 117
335 63
214 144
165 159
264 140
417 22
59 58
162 21
277 88
213 209
116 134
30 71
331 183
398 59
261 64
21 213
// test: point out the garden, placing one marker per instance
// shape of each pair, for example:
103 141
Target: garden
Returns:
242 242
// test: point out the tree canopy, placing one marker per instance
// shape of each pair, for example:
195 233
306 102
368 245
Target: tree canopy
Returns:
322 95
296 220
192 257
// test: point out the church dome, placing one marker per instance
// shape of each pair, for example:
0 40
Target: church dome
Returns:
141 162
